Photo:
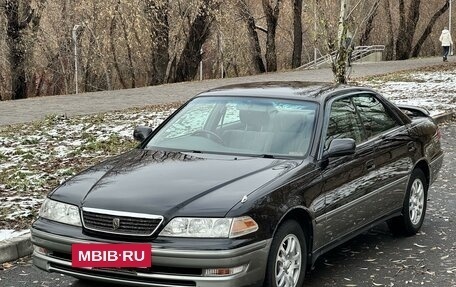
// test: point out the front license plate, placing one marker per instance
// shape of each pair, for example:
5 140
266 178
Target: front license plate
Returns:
111 255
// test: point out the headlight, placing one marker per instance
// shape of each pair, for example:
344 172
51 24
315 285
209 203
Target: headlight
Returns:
209 227
60 212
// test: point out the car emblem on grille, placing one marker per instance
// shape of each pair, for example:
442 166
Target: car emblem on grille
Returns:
115 223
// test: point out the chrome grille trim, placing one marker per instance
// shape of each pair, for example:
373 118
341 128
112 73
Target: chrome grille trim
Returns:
136 220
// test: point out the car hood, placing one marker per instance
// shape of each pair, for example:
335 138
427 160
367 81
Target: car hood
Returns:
171 183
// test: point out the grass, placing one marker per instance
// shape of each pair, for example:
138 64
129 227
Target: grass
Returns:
36 157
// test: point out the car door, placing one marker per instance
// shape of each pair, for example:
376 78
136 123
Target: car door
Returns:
393 149
349 181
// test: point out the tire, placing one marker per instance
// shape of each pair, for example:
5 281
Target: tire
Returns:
414 207
289 249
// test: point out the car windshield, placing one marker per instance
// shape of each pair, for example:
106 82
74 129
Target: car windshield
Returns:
238 125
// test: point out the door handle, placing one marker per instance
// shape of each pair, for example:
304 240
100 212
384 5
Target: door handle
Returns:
370 165
411 147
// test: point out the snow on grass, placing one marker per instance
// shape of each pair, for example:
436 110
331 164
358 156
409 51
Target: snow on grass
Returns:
36 157
434 89
11 233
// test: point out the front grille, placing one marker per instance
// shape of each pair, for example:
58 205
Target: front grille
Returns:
123 223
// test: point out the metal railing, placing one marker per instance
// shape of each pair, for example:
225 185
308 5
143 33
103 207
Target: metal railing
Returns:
358 53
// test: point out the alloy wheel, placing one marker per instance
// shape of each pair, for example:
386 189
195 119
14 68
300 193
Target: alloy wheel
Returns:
416 202
288 262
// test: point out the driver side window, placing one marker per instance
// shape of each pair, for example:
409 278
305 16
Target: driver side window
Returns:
344 122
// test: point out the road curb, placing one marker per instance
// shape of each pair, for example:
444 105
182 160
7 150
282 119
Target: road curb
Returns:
15 248
441 118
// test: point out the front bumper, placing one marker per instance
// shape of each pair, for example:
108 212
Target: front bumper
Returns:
253 255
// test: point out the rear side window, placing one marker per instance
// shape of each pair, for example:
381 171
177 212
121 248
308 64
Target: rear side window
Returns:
344 122
374 115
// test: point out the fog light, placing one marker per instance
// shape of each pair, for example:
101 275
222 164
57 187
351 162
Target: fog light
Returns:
224 271
41 250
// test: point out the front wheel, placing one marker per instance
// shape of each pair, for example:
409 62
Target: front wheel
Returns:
414 208
288 257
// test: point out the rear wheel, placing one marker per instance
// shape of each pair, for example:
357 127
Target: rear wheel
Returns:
414 208
287 259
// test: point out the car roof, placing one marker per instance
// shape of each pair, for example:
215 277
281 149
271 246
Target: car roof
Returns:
312 91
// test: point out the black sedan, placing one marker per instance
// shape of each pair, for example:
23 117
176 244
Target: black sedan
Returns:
248 185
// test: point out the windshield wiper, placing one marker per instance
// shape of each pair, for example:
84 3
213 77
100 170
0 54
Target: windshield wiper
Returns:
267 156
190 151
264 155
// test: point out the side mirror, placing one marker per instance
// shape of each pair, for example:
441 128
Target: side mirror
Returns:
341 147
141 133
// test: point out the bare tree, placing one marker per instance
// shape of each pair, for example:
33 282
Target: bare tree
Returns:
200 29
157 13
20 17
297 34
340 62
255 46
272 18
112 41
166 36
389 49
407 27
417 48
365 35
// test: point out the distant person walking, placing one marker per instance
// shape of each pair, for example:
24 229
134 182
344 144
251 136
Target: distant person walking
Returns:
446 40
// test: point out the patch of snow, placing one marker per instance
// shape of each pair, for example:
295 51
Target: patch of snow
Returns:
6 234
435 91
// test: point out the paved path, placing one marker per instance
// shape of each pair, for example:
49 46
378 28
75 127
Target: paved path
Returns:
27 110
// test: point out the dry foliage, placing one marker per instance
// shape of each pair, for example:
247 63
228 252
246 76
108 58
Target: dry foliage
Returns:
125 44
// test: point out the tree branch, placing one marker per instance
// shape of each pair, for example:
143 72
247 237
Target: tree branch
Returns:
261 29
24 23
416 50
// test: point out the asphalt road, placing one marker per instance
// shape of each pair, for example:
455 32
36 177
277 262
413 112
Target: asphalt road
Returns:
375 258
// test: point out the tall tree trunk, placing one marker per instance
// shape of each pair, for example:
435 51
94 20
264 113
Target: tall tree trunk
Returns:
89 73
131 67
114 51
17 49
157 13
369 24
340 62
402 34
407 28
255 47
389 49
187 67
297 34
20 16
272 17
416 50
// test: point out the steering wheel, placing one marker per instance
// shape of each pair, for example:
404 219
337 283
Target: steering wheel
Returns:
209 134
